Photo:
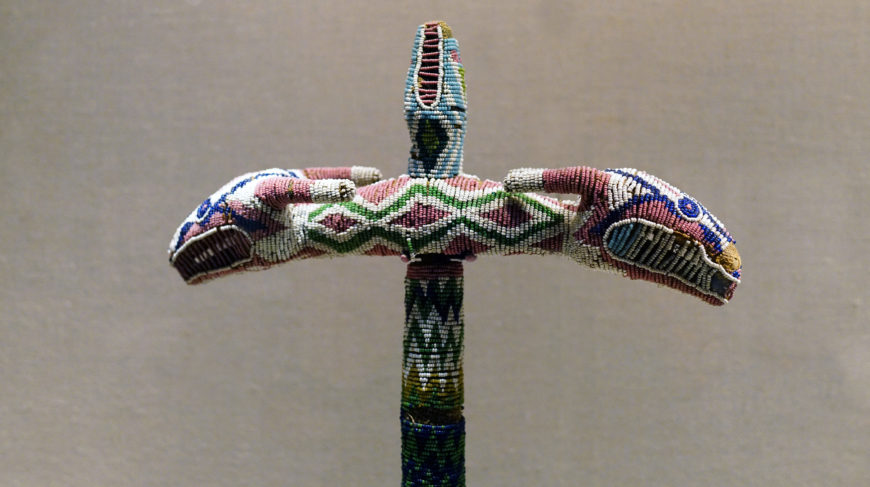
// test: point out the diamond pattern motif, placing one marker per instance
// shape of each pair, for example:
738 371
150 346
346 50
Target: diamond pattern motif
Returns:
452 216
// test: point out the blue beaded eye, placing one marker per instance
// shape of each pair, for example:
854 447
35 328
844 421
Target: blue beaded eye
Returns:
689 208
203 208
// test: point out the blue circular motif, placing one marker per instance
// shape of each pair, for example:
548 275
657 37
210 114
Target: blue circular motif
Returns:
689 208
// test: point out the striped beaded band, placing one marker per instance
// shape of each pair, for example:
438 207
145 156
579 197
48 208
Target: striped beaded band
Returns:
433 430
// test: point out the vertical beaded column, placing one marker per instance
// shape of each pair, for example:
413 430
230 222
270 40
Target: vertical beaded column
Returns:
433 429
435 103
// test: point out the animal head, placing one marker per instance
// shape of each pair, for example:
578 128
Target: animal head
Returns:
633 223
656 232
247 223
435 103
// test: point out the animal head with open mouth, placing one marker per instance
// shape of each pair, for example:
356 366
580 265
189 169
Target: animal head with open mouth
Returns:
636 224
625 221
435 103
247 224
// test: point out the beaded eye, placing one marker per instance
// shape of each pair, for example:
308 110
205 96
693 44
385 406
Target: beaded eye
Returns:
203 209
690 209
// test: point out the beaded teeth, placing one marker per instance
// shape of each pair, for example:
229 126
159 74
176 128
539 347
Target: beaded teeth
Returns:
278 215
435 103
637 225
246 224
623 221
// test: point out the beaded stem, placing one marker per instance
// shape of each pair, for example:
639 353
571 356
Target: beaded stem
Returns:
433 429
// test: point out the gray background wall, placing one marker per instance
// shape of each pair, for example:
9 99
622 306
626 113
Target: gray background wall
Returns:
118 118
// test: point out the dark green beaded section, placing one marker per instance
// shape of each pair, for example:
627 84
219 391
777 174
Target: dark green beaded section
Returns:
433 455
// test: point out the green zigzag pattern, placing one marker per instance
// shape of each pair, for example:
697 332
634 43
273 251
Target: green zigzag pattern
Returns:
431 191
399 237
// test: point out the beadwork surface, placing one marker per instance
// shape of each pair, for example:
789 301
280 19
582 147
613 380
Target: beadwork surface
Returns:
433 429
624 221
119 118
435 103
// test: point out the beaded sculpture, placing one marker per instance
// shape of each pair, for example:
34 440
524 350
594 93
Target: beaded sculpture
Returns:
435 103
624 221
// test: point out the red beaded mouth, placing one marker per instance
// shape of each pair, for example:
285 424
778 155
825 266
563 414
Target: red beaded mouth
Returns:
429 69
217 250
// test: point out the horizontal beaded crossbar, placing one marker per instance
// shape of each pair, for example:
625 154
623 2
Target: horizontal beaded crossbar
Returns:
623 221
464 217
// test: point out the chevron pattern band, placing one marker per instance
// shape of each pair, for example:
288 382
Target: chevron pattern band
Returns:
433 429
